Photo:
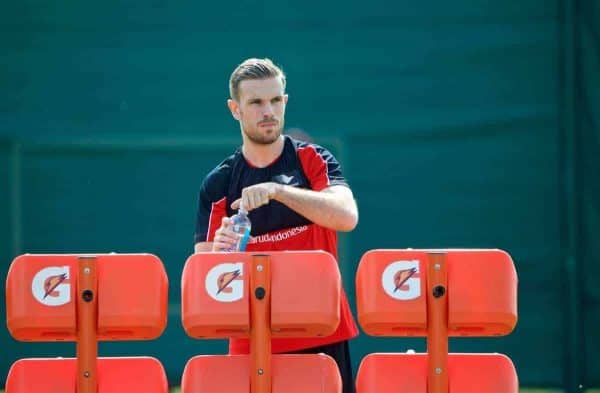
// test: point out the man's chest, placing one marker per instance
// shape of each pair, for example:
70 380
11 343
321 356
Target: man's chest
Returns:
274 216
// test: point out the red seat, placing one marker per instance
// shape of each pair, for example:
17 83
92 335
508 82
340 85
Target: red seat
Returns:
123 374
42 305
304 302
476 296
291 374
407 373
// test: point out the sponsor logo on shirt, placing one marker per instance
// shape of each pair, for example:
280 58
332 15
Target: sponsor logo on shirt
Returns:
289 179
278 236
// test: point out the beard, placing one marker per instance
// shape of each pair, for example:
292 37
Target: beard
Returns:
264 138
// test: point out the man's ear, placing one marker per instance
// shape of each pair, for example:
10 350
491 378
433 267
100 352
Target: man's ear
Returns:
234 107
285 99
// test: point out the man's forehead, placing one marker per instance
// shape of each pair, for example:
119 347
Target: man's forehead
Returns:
261 88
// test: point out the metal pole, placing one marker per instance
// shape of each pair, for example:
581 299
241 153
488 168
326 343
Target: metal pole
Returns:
574 351
437 323
260 329
87 326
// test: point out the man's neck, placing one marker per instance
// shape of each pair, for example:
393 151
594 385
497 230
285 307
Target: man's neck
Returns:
261 156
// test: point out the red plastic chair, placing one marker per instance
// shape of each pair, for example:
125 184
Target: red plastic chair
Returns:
436 294
290 374
467 373
280 294
85 299
119 374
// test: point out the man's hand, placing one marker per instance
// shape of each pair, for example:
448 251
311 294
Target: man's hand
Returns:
225 239
256 196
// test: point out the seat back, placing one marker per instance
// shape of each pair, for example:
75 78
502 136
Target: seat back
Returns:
42 297
482 292
305 301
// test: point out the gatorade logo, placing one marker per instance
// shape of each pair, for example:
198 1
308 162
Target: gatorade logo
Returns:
401 280
51 287
225 282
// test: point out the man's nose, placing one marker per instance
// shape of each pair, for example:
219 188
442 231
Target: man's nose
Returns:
267 110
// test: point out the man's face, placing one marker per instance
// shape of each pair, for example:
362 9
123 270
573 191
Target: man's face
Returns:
261 109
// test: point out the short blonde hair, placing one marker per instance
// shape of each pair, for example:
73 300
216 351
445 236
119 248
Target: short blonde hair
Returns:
253 69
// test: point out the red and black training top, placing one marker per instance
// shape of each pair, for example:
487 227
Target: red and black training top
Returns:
275 227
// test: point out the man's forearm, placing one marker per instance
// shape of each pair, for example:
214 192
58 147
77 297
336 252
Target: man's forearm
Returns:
203 247
333 208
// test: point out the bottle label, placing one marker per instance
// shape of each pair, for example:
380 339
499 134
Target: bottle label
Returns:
244 239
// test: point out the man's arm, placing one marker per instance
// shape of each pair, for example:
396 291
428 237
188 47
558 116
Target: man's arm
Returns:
224 238
333 207
203 247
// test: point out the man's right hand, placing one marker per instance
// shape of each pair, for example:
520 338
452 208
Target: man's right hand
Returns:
225 239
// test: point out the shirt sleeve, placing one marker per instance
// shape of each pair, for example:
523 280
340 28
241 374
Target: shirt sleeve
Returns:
212 207
320 167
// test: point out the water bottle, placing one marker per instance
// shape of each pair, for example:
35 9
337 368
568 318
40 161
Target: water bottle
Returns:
241 226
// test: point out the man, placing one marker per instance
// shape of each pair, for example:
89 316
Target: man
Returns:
295 193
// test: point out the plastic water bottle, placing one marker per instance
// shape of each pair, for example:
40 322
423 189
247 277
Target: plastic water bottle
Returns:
241 226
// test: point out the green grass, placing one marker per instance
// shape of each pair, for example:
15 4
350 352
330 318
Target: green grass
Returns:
540 390
537 390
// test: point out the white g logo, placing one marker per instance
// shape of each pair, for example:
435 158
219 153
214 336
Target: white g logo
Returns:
400 280
49 286
225 283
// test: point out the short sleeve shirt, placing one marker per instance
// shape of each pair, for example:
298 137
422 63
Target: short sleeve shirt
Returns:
275 227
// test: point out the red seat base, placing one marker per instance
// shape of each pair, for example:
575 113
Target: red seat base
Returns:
122 374
290 373
407 373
